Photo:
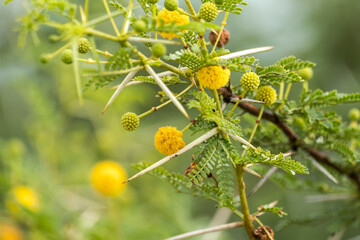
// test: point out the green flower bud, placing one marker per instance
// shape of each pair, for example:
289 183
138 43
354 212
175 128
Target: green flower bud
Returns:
45 58
158 50
250 81
306 73
266 94
53 38
130 121
67 56
139 26
153 1
83 45
208 11
354 114
171 5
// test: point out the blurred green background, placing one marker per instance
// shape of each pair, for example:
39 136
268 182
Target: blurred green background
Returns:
50 142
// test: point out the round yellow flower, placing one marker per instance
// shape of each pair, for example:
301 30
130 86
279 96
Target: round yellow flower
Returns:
27 197
10 232
266 94
168 17
107 177
213 77
168 140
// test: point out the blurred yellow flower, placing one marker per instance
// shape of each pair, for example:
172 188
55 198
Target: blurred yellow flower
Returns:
168 140
10 232
169 17
107 177
27 197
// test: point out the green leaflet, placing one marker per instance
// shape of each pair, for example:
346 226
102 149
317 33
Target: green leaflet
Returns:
168 80
319 98
266 157
207 107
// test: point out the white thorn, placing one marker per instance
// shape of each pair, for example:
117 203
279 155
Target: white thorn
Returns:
119 89
324 171
243 141
207 230
167 91
246 52
181 151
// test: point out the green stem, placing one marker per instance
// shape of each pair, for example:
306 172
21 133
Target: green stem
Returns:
102 34
236 104
188 126
288 88
281 90
248 225
171 68
102 18
127 18
190 7
76 71
306 86
217 100
223 24
116 72
255 128
153 109
154 15
287 91
52 55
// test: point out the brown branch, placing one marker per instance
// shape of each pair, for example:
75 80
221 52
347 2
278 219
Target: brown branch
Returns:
294 139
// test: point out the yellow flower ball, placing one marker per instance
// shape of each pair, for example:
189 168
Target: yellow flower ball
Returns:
267 95
168 140
107 177
213 77
10 232
169 17
27 197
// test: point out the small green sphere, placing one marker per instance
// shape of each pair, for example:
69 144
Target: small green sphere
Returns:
158 50
266 94
153 1
45 58
67 56
130 121
83 45
53 38
208 11
219 2
250 81
171 5
139 26
354 114
306 73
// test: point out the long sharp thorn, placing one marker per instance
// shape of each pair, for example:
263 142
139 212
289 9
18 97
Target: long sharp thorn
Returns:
207 230
246 52
167 91
119 89
181 151
324 171
243 141
263 180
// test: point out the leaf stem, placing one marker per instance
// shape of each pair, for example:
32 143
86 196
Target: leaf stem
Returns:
153 109
190 7
223 24
217 100
76 71
236 104
248 225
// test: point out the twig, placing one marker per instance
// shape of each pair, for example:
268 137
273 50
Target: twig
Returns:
207 230
294 139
